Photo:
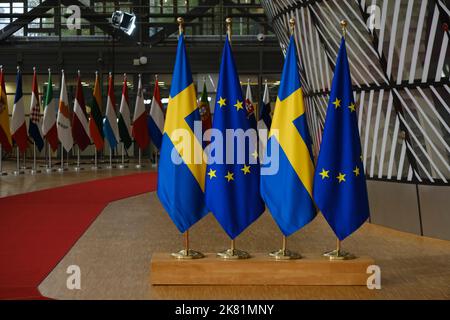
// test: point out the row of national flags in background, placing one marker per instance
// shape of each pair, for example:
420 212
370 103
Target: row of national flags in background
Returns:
61 124
236 193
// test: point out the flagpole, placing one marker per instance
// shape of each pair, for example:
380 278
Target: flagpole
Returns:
2 173
110 159
123 166
284 253
49 166
139 165
18 171
62 169
186 253
78 167
232 253
339 254
95 167
24 166
34 169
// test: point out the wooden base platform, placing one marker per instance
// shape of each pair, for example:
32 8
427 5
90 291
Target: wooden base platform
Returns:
260 269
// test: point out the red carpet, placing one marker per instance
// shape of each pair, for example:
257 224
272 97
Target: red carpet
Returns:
38 228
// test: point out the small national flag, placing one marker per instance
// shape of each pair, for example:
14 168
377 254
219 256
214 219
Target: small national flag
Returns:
110 126
95 117
80 123
340 188
288 192
232 189
205 113
139 130
156 119
35 115
265 117
49 124
63 118
181 183
124 116
249 106
5 133
18 125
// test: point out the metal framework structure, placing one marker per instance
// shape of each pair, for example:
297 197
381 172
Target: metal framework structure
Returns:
400 65
155 18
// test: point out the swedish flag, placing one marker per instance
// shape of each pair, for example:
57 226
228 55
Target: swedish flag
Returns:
181 177
339 183
288 192
232 187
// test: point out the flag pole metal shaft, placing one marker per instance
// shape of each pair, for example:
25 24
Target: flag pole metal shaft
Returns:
49 165
1 161
18 170
232 253
187 253
34 156
110 158
123 155
33 170
339 254
284 253
62 158
186 242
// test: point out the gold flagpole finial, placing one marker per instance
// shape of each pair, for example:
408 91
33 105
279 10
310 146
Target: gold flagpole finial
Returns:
344 27
180 21
292 25
228 23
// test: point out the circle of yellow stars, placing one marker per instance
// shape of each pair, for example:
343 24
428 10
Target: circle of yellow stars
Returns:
341 177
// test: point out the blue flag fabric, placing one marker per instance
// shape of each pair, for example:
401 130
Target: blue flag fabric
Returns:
288 192
232 189
340 188
181 179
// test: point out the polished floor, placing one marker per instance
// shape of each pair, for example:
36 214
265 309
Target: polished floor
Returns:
114 253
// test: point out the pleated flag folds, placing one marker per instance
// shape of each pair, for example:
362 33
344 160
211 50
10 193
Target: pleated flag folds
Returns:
288 192
18 125
180 179
80 122
340 188
232 189
49 129
5 133
63 122
139 130
110 126
156 118
124 116
34 130
95 117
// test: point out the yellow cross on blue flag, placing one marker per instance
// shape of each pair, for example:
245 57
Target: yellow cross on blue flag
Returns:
181 177
232 185
288 192
340 188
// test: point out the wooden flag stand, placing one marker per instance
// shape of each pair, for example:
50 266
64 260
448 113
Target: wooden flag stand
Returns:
259 269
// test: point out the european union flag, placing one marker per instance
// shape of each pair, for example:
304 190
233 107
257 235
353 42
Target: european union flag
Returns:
181 179
232 187
339 184
288 192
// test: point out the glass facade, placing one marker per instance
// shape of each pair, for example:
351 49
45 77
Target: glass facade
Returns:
400 65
